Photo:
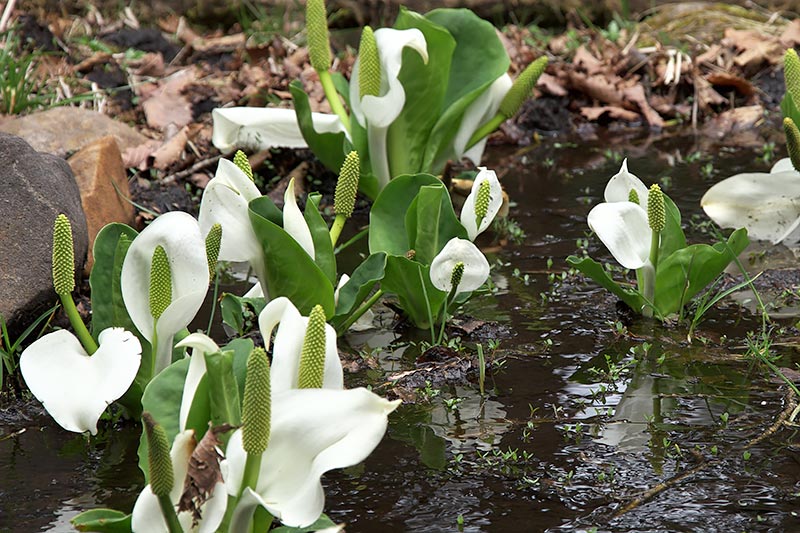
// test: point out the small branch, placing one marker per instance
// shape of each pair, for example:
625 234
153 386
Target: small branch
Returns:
185 173
7 15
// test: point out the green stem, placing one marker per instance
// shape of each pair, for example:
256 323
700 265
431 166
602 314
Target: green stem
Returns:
333 98
354 239
168 510
77 324
336 228
485 130
655 241
360 311
252 468
648 288
427 305
262 520
448 301
213 304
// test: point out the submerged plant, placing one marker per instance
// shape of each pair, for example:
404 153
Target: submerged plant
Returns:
641 228
428 90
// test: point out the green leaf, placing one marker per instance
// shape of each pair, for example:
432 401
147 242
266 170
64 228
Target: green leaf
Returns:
289 271
238 310
425 87
595 271
389 211
103 521
162 399
411 281
359 286
241 349
672 238
321 523
789 108
478 60
223 390
342 86
688 271
320 235
328 147
108 307
431 222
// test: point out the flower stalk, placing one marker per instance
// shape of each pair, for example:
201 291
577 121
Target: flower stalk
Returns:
64 279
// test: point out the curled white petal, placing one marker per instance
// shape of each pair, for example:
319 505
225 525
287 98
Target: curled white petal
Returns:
284 371
74 387
380 111
468 216
476 267
623 228
179 234
294 223
782 165
768 205
620 185
479 111
313 431
225 200
200 344
265 127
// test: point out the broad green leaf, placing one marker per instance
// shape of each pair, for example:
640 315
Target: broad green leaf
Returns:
103 521
108 307
672 238
425 87
241 349
328 147
411 281
320 235
342 86
431 222
355 291
236 311
162 399
322 522
688 271
478 60
595 271
289 271
223 390
389 210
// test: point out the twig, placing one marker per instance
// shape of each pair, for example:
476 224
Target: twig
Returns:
674 480
200 165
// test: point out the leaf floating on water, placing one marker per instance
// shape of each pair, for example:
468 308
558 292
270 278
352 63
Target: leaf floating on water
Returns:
203 473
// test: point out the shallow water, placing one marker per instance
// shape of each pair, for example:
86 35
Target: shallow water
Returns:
584 442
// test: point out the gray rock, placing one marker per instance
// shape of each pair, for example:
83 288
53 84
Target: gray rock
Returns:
35 187
64 130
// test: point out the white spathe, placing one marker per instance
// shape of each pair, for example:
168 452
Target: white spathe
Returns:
259 128
377 112
619 187
147 516
225 200
200 344
476 267
767 204
293 221
312 431
75 387
284 371
468 217
483 108
623 228
179 234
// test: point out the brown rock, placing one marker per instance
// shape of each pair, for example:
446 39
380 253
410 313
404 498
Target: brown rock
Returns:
98 168
63 130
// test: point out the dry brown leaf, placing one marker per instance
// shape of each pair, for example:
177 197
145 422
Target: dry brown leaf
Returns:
791 35
735 121
756 48
706 95
551 85
203 473
709 56
171 150
87 64
594 113
137 156
727 79
587 62
167 105
224 43
151 64
636 95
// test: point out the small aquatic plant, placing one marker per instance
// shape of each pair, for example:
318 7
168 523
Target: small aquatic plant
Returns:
428 90
641 227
